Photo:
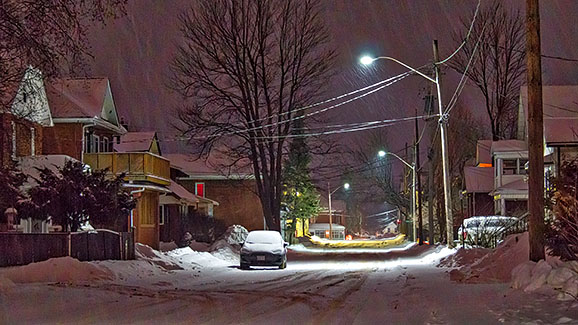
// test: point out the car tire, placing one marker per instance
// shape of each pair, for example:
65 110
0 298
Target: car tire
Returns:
245 266
283 265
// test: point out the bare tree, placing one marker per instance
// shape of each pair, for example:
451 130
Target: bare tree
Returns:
498 67
49 35
375 176
243 68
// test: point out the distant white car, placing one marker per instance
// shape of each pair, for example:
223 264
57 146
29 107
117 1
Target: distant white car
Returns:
264 248
480 228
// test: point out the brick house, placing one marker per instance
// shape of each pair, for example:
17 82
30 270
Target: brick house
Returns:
86 127
84 116
235 192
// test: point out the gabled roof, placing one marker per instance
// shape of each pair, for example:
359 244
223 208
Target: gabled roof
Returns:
82 98
560 107
27 98
136 142
509 146
479 179
213 168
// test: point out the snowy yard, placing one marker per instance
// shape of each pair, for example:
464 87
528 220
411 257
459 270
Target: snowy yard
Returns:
396 286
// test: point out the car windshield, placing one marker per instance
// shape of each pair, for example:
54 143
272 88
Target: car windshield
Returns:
263 237
472 223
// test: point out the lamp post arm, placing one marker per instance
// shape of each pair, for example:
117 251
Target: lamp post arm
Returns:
403 161
407 66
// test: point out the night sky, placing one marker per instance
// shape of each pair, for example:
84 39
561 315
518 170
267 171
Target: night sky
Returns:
134 52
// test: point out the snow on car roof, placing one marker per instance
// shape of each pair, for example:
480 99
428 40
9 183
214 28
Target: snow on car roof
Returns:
263 236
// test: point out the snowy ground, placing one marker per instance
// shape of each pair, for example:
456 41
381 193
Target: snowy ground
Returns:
394 286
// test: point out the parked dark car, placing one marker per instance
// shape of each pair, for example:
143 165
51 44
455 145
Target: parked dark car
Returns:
264 248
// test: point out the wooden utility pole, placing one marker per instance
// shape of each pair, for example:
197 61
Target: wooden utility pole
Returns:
417 172
535 132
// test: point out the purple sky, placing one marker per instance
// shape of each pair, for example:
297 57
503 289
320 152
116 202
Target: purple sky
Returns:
134 53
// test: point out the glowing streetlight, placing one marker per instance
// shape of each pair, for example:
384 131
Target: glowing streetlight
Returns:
346 187
383 153
366 60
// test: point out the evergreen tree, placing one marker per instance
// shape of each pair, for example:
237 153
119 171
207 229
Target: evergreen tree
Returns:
74 194
300 198
10 193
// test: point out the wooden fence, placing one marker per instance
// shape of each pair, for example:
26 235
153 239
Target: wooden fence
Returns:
102 244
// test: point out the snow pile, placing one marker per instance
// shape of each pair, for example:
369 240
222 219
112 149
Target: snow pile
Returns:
552 276
152 256
187 258
228 246
5 283
463 257
61 269
497 265
234 237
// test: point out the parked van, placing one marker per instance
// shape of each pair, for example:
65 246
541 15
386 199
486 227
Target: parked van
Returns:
480 230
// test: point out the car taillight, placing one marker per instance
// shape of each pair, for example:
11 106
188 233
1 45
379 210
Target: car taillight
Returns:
465 235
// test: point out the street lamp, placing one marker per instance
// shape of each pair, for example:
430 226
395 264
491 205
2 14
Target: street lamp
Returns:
383 153
366 60
346 187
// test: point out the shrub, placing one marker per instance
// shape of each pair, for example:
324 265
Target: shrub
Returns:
562 201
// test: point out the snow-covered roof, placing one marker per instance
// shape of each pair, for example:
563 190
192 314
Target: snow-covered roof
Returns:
509 146
213 168
135 142
560 107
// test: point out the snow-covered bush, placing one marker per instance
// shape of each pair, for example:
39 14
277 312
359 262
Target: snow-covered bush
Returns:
562 227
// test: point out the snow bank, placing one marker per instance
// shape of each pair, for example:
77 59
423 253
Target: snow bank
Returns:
553 276
62 269
234 238
463 257
228 246
497 265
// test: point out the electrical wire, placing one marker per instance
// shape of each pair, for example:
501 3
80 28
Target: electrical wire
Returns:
453 101
466 38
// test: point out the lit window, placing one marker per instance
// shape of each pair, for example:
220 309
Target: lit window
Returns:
200 189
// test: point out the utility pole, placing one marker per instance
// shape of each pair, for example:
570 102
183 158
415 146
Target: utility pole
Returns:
444 143
330 212
417 170
535 132
430 170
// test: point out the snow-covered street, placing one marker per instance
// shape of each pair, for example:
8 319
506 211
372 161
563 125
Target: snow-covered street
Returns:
395 286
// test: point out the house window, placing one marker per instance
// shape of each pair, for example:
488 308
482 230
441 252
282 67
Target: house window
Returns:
200 189
509 167
95 143
163 214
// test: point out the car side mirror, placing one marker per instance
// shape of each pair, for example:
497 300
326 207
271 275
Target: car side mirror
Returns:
285 244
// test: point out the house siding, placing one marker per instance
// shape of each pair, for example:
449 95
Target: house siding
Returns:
63 139
238 203
23 138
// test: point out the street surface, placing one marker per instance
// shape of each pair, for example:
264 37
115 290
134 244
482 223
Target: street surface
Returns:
318 287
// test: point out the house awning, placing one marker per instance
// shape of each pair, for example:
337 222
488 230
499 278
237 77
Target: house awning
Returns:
514 190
